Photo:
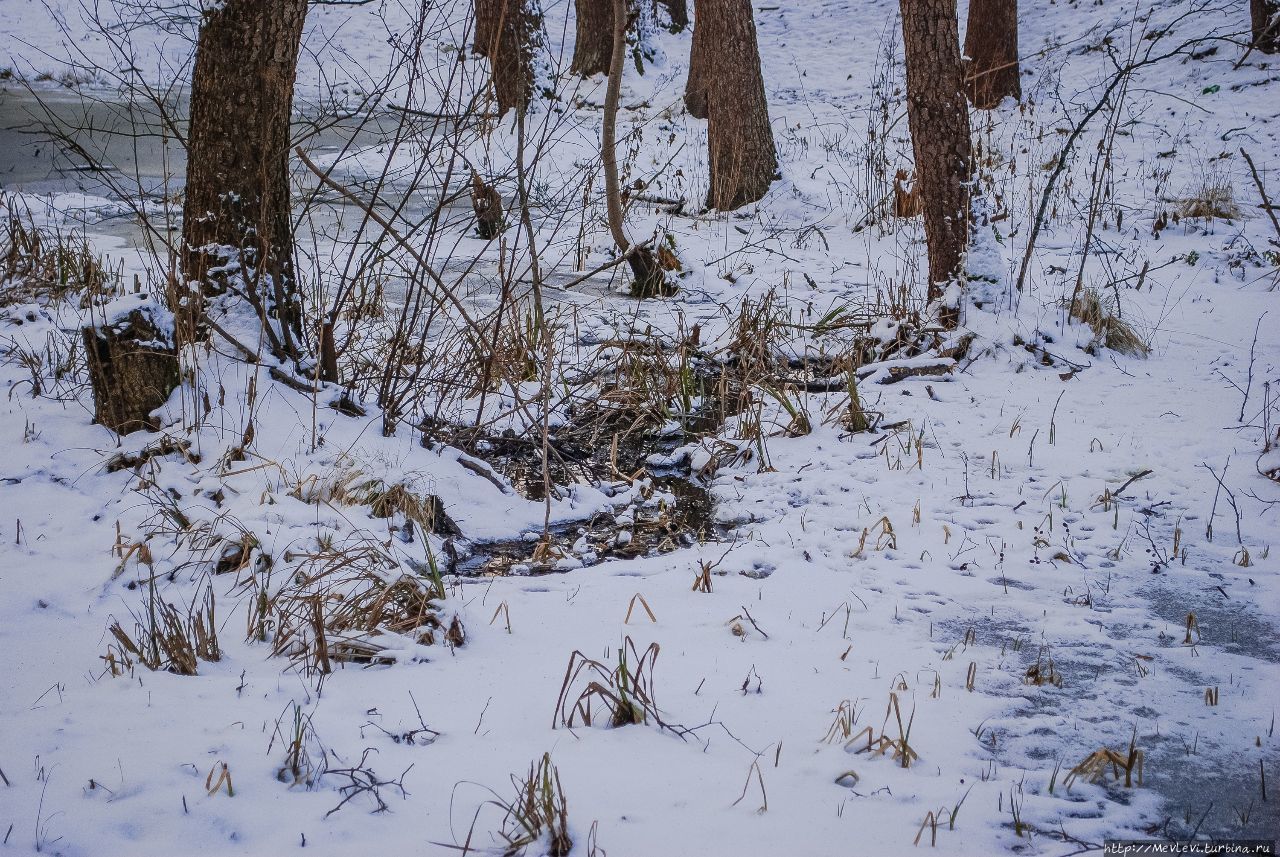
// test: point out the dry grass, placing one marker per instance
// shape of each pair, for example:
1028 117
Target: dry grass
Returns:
352 487
538 812
625 693
899 748
1211 197
354 603
1110 331
1096 765
42 266
164 639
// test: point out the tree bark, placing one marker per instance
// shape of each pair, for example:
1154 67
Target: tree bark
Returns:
133 367
677 14
939 120
236 229
725 85
593 41
508 33
991 48
701 50
1264 15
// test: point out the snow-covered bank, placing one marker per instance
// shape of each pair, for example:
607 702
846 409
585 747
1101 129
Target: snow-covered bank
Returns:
1014 562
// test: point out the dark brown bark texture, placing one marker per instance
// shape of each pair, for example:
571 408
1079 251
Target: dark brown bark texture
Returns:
726 87
133 367
1264 15
593 39
507 34
237 194
677 13
991 46
700 53
939 120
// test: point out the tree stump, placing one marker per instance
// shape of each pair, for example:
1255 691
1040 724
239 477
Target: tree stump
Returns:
487 204
133 367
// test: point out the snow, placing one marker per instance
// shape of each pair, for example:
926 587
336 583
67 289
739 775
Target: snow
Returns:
979 533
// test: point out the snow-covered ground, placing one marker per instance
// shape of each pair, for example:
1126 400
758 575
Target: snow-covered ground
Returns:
973 567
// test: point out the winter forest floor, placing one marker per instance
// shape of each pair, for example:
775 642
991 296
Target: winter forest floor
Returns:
1054 542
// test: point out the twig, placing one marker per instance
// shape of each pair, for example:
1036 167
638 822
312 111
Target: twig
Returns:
1257 180
1132 480
390 230
747 614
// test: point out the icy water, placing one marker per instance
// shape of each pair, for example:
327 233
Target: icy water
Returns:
121 151
119 156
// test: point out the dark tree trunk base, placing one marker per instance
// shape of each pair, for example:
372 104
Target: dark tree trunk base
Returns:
726 86
487 204
593 37
133 368
236 217
649 277
939 118
677 14
507 33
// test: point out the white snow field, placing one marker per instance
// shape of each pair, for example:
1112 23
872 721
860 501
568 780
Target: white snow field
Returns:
1045 549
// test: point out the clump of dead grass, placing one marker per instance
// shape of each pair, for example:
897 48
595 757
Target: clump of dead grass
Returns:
626 693
1109 329
163 638
354 487
354 603
1098 763
43 266
539 812
1210 197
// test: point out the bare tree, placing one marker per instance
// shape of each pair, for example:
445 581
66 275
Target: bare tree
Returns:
939 120
1264 15
236 232
509 34
726 87
649 277
991 51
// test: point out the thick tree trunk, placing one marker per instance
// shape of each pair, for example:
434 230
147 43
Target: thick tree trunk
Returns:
677 14
725 85
236 217
939 120
133 367
508 33
991 46
701 51
593 41
1265 18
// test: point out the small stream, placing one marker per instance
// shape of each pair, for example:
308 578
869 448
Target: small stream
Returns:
119 156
